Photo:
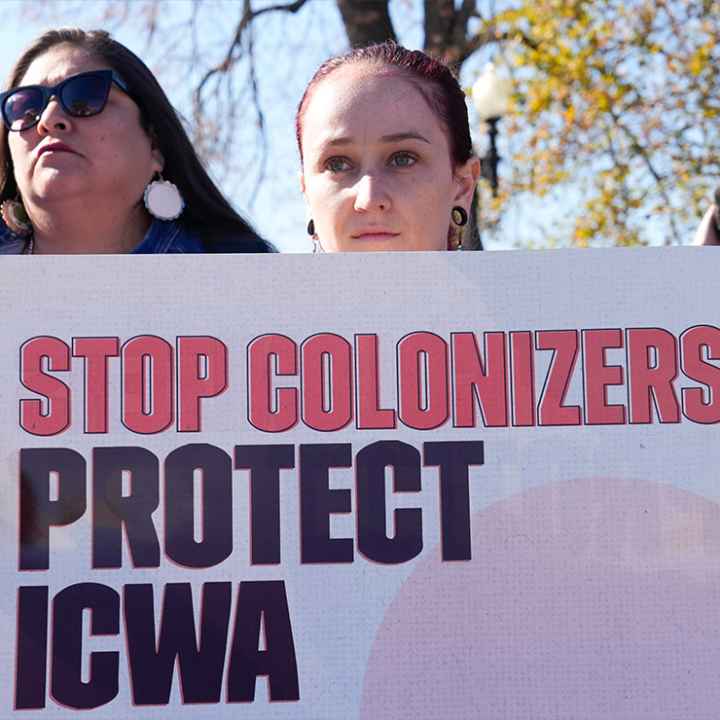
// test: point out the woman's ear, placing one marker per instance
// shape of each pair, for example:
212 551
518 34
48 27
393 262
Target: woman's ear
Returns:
466 179
157 156
301 178
158 160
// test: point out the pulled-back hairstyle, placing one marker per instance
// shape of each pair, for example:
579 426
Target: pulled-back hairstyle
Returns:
207 212
432 78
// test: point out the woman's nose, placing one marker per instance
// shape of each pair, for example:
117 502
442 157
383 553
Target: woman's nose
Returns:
53 117
371 193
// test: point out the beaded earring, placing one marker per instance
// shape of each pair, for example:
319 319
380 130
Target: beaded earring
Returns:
16 218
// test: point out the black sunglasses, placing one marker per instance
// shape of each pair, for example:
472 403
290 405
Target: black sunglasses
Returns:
81 95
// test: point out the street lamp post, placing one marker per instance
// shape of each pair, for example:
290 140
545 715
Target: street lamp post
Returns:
490 161
491 97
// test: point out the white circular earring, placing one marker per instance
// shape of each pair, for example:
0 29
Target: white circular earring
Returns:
163 199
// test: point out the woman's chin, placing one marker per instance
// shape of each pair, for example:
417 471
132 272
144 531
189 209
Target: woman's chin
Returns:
55 185
391 243
379 243
374 246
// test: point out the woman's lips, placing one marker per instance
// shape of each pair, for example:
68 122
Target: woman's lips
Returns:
374 235
55 148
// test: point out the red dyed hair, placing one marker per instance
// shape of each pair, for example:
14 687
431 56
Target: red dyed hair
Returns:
433 79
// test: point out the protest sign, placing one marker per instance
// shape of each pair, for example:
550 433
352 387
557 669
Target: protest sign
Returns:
379 486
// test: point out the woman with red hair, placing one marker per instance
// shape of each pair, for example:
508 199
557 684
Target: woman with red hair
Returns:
386 154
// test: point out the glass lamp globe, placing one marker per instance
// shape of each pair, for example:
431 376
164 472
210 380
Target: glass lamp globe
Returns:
491 93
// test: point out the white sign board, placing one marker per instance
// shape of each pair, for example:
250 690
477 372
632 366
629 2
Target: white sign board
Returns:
373 486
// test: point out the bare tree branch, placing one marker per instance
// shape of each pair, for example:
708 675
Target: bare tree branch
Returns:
260 116
194 33
230 56
491 35
467 10
447 33
638 148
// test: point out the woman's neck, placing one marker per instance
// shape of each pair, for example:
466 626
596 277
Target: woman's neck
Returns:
86 232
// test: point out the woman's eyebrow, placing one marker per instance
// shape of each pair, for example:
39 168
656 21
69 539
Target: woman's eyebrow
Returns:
411 135
339 141
394 137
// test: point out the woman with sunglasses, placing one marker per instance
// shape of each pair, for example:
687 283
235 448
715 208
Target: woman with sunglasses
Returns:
385 150
94 159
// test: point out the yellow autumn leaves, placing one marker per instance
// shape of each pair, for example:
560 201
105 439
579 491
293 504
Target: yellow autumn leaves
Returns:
621 100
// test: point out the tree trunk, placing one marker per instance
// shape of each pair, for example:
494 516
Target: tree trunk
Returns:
446 30
366 21
439 20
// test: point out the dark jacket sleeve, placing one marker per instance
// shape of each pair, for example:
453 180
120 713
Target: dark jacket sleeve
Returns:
10 244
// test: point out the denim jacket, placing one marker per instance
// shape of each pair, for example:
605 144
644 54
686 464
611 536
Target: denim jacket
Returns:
161 237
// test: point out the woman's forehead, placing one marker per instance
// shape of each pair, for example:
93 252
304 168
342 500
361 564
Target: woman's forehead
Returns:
355 84
361 100
59 62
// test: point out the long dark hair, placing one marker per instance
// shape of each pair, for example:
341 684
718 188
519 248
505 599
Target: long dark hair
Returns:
433 79
207 212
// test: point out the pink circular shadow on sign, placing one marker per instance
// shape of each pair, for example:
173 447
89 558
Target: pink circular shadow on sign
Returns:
584 600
